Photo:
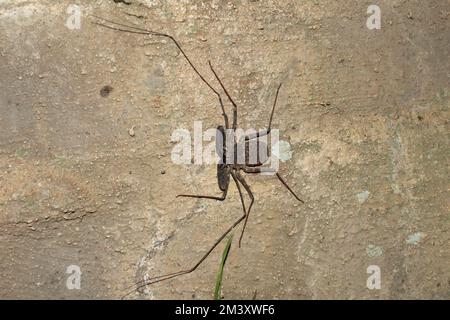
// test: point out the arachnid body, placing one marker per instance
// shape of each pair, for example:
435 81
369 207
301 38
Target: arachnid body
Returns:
228 166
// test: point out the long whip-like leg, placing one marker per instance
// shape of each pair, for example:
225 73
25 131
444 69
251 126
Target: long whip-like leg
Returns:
240 192
289 188
137 30
228 95
263 133
252 199
183 272
259 170
156 279
204 197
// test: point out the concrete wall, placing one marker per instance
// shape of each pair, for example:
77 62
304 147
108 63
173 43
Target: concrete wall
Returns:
86 176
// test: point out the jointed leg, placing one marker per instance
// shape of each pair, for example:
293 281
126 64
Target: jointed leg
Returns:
136 30
267 131
221 198
259 170
143 283
261 158
240 192
252 199
250 169
289 188
156 279
228 95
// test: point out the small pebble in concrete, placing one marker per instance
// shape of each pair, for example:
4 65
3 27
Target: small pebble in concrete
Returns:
363 196
374 251
415 238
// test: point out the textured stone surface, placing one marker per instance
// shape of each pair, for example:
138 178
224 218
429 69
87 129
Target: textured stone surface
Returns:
366 113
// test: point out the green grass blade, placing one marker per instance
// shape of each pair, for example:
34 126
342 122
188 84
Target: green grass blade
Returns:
218 289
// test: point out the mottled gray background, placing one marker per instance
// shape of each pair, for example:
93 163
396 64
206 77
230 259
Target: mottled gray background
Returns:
366 113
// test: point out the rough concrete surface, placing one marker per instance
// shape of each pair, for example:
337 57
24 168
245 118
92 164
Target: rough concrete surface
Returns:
86 176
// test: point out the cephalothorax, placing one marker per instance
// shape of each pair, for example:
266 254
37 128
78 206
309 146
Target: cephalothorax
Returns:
225 168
